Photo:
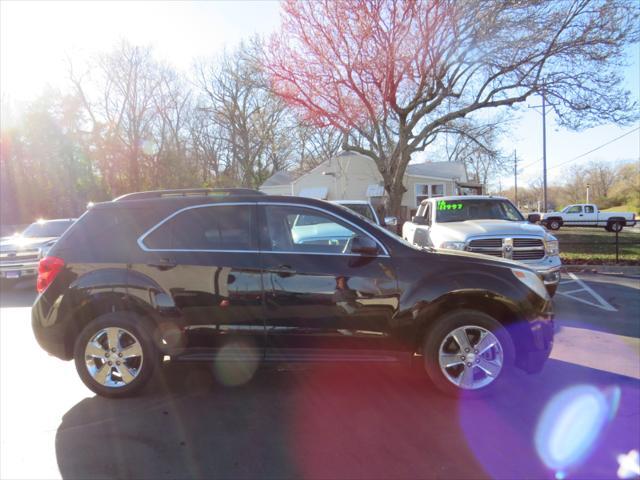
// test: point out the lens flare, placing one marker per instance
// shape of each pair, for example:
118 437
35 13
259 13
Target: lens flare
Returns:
149 147
629 465
236 363
571 424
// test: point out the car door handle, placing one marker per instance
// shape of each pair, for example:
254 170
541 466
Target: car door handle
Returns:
283 270
163 264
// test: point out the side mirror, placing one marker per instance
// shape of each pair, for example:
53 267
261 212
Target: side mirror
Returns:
364 246
533 217
391 221
418 220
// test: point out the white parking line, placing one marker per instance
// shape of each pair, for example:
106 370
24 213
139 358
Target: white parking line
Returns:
601 302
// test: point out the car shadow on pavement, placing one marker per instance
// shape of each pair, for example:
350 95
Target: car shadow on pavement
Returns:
330 421
21 293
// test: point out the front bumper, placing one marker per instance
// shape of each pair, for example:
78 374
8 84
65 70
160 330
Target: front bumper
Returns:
536 350
548 268
18 270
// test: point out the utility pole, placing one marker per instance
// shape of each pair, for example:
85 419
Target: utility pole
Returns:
544 150
515 175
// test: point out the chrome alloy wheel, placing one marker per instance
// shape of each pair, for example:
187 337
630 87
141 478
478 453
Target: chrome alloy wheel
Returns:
113 357
471 357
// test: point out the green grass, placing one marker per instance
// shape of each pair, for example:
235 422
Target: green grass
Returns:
622 208
596 245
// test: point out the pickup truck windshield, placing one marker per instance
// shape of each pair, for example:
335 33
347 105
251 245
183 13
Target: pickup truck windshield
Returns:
47 229
460 210
361 208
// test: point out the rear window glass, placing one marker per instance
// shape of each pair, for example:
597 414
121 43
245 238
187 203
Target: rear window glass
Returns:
205 228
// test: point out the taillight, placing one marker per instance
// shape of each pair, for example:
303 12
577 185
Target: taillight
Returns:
48 270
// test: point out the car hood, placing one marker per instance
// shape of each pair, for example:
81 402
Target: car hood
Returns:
23 243
477 256
550 214
462 231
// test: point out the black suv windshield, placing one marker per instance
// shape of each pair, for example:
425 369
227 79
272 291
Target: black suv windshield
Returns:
54 228
460 210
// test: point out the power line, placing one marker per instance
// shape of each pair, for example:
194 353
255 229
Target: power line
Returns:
597 148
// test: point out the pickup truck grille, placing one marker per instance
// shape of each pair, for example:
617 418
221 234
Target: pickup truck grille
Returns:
521 249
10 258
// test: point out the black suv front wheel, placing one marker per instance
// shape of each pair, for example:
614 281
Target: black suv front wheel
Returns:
468 352
114 355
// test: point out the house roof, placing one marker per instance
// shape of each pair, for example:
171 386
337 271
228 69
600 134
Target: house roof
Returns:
438 169
281 177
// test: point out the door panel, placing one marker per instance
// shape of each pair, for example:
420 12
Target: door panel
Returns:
324 305
216 294
573 216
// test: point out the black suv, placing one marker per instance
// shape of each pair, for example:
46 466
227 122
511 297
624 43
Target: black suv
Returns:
240 276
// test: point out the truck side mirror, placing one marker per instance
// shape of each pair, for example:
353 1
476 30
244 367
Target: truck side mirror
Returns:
533 218
391 221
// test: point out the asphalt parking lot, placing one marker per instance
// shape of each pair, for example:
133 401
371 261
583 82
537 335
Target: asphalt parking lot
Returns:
327 421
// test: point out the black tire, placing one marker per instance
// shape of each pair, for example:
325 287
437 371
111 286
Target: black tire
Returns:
552 289
130 326
554 224
608 228
441 330
616 226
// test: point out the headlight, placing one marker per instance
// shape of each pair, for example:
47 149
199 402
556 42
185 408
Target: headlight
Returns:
552 247
532 281
453 245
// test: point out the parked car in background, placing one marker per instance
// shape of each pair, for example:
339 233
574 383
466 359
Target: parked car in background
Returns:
20 253
487 225
588 215
228 279
365 209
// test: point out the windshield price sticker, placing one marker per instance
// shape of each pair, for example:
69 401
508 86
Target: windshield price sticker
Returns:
442 205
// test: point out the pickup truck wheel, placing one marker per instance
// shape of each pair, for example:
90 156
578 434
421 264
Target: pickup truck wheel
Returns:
616 226
554 224
551 289
114 355
468 353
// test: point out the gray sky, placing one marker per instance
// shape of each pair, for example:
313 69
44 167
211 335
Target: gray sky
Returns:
36 37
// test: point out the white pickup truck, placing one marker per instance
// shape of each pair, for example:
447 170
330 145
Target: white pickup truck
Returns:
487 225
587 215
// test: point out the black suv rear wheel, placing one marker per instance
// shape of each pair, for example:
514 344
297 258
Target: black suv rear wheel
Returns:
468 352
114 355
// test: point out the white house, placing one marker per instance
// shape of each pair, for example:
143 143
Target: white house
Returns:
351 176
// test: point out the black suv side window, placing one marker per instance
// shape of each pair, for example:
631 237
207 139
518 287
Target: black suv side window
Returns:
211 227
304 230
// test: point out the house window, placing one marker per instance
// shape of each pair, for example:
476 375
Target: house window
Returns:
437 190
428 190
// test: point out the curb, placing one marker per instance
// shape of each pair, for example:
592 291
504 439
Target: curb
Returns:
619 269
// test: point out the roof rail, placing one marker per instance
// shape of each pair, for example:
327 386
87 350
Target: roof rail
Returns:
188 192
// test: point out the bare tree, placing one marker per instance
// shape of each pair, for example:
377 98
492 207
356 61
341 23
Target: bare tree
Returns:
398 72
249 116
